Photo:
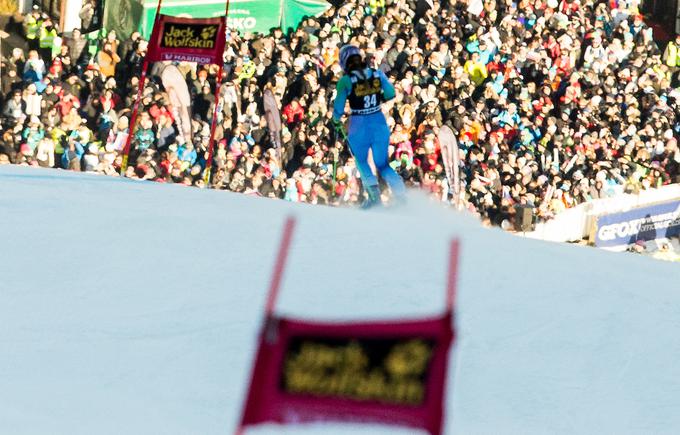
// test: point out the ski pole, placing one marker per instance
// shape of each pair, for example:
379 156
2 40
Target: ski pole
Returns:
343 134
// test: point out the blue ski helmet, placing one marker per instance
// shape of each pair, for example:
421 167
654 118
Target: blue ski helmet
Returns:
346 52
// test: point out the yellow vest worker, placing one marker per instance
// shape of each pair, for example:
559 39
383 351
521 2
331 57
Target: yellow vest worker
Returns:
32 25
672 53
248 70
476 70
47 37
376 5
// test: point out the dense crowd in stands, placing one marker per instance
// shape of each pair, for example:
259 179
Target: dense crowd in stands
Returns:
553 103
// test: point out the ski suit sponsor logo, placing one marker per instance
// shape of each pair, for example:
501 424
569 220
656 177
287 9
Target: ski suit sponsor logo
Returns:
369 111
362 89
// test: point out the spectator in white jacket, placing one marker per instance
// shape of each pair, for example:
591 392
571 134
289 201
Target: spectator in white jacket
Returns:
33 101
44 153
595 56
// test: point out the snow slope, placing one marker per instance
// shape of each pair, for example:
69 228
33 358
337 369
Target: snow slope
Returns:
133 307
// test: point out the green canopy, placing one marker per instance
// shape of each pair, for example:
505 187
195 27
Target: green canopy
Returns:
126 16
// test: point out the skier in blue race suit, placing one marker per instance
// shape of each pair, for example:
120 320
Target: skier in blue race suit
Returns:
366 88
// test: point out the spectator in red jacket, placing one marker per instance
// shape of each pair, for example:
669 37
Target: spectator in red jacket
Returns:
293 113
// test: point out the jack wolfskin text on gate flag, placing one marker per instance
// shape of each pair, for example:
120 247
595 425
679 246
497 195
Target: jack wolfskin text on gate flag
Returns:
198 40
379 372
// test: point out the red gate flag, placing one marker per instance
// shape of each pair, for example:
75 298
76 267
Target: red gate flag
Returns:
199 40
379 372
384 372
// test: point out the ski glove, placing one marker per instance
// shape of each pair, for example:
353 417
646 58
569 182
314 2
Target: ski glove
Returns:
339 128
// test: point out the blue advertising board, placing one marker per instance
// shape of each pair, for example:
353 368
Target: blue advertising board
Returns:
651 222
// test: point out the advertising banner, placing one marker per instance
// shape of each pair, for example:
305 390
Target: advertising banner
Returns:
273 117
645 223
374 372
123 16
198 40
451 158
256 16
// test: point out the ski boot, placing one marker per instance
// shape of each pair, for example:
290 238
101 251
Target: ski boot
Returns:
398 201
373 199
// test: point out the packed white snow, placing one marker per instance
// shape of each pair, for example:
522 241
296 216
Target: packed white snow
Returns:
133 307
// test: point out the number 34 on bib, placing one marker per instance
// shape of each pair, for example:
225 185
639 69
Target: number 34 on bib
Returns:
370 101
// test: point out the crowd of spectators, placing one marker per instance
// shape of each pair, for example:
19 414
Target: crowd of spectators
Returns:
552 102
